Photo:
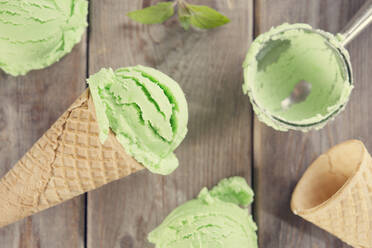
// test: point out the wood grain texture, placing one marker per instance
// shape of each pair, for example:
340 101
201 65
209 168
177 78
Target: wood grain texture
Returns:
208 67
281 158
29 105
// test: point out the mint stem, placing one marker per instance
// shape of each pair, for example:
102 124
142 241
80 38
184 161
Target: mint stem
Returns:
183 4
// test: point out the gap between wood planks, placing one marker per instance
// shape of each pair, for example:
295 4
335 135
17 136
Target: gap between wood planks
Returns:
86 86
253 181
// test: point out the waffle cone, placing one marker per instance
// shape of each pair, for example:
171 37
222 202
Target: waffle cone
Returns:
335 193
68 160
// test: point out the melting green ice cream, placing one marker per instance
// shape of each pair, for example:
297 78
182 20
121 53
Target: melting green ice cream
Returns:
146 110
36 33
213 220
279 59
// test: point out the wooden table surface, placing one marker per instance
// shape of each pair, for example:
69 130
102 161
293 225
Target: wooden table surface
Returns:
225 138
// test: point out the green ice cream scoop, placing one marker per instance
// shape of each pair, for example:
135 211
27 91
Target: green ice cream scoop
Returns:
213 220
280 59
36 33
146 110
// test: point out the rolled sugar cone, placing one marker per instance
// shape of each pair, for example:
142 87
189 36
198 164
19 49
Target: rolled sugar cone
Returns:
68 160
335 193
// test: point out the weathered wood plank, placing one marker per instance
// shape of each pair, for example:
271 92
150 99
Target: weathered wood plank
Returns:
208 67
29 105
281 158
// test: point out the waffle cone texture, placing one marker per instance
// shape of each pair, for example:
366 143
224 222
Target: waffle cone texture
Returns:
68 160
335 193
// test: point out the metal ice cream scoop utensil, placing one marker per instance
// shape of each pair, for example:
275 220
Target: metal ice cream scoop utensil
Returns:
361 20
299 94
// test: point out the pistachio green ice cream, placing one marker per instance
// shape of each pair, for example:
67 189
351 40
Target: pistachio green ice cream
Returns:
146 110
36 33
213 220
286 55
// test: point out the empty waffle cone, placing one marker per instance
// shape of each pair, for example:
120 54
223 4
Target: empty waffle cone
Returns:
65 162
335 193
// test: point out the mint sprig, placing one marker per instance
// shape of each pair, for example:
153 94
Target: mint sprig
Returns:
198 16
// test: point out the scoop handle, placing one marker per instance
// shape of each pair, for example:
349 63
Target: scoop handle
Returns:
361 20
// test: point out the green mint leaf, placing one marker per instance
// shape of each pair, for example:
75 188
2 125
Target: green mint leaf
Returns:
205 17
158 13
185 22
184 16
